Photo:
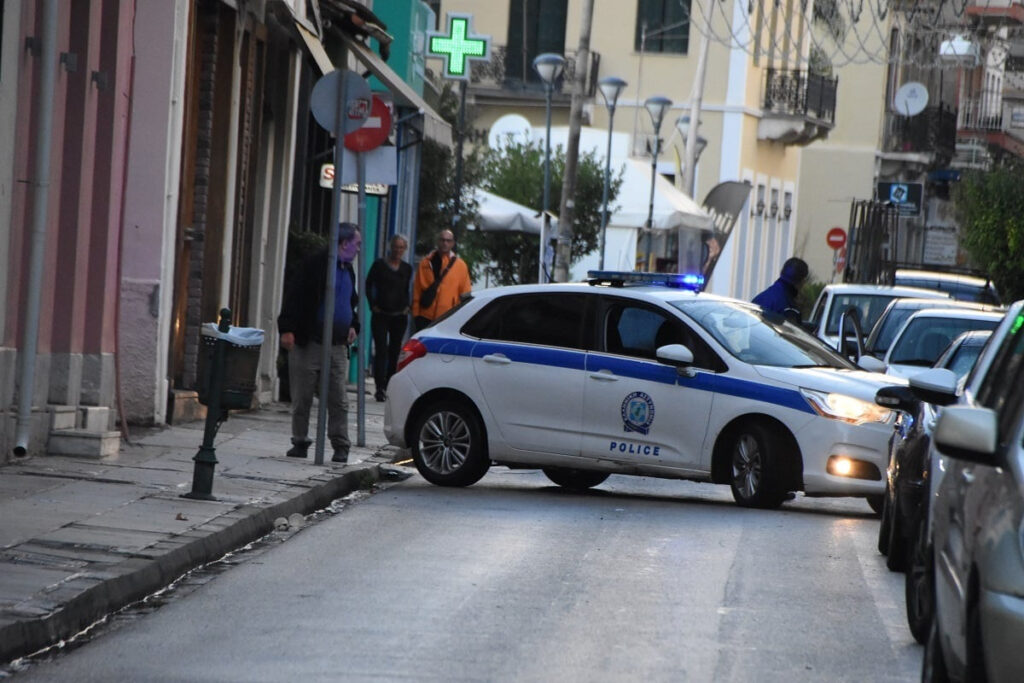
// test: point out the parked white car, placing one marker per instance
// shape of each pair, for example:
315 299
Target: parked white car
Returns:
586 380
867 300
927 333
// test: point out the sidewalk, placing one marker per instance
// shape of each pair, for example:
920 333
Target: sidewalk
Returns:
80 538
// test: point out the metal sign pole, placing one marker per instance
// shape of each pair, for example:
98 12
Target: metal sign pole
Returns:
363 352
327 336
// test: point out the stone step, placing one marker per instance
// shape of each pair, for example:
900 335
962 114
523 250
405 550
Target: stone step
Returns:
83 443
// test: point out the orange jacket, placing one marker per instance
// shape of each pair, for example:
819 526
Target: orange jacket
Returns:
452 287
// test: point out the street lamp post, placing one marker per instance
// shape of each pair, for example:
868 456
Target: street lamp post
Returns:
656 106
611 87
549 67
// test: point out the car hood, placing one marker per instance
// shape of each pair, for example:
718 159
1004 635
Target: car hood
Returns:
857 383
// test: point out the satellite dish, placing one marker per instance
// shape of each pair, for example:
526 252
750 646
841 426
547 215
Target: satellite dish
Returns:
512 127
910 99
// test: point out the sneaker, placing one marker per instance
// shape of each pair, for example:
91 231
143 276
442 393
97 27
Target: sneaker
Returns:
340 456
299 450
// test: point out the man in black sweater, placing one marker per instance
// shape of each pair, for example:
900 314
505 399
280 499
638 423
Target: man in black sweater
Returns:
387 290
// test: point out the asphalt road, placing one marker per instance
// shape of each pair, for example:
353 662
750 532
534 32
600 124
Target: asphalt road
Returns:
516 579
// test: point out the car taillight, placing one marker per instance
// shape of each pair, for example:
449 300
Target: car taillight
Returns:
412 350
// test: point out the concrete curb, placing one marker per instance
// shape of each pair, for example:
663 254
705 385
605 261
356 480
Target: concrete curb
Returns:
90 596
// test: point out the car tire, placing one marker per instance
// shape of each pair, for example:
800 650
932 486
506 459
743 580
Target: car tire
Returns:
933 665
577 480
884 525
917 586
448 444
755 467
896 558
877 502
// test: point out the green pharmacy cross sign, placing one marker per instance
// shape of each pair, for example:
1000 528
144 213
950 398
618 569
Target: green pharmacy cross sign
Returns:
458 46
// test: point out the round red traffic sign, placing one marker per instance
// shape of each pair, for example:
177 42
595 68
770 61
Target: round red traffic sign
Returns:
375 129
836 238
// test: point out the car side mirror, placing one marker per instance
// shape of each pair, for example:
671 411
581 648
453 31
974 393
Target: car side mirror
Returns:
897 397
871 364
675 354
967 433
936 386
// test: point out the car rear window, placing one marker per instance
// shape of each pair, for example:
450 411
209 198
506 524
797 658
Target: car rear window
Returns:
550 319
868 306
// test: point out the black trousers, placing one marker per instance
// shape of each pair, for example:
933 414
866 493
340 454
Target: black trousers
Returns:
388 330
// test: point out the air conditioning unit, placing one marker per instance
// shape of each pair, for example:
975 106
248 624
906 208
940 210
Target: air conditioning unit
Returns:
959 51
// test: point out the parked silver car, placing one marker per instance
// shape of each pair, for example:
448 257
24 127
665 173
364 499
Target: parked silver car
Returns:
977 522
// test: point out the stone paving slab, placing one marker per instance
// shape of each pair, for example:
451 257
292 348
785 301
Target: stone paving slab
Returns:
81 538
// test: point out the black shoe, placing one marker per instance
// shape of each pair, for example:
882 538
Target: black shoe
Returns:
340 456
299 450
380 396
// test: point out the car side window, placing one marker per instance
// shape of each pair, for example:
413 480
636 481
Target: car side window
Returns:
636 330
1002 382
553 319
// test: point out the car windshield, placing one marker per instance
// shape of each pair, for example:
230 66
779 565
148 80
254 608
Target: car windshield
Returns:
759 338
885 331
963 359
923 340
868 307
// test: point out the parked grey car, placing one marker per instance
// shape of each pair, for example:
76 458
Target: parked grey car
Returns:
977 518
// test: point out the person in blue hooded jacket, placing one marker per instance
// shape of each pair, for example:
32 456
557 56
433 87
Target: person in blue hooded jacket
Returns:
780 297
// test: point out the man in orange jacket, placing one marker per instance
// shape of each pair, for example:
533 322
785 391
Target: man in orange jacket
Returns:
442 274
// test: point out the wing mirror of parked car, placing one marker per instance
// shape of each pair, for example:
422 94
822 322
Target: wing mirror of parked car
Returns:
968 433
677 355
897 397
871 364
936 385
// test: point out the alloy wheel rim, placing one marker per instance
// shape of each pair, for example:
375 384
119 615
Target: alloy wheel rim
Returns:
746 465
445 442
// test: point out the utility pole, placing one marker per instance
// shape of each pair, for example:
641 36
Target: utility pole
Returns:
567 207
696 100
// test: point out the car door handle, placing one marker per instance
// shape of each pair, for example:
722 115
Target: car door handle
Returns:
497 358
604 376
967 476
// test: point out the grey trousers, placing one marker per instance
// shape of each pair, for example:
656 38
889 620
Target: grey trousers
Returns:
304 380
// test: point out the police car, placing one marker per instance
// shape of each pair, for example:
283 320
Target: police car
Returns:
637 373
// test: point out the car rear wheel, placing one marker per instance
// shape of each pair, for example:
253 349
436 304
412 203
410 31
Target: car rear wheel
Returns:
448 447
933 665
755 467
884 526
896 560
917 586
577 480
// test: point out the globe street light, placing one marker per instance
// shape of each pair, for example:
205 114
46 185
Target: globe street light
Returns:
656 106
683 126
549 67
611 87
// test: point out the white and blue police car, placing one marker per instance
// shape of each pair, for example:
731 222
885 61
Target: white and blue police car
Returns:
637 373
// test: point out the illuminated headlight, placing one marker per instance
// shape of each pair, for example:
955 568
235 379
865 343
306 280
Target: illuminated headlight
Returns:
846 408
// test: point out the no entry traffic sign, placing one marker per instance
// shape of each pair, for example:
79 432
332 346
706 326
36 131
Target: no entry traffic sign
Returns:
836 238
375 129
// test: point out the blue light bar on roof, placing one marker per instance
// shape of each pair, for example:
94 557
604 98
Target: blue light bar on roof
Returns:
618 278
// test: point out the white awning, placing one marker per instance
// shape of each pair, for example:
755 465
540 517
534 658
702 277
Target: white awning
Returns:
434 127
316 48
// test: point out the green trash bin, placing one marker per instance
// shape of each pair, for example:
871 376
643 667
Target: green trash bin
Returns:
241 364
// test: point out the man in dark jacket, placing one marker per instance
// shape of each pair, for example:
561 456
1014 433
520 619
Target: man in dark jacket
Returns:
780 297
301 326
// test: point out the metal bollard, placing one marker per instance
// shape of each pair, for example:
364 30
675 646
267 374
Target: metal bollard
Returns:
206 458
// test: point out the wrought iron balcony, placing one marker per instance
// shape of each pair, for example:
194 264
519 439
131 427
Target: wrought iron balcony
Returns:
508 75
983 113
931 132
799 107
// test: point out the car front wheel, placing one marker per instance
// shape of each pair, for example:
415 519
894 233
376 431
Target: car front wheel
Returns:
577 480
755 467
918 584
448 446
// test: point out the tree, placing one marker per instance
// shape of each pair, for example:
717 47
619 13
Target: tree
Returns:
516 171
990 210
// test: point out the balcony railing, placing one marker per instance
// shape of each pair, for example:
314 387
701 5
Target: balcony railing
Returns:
931 131
800 93
983 113
508 74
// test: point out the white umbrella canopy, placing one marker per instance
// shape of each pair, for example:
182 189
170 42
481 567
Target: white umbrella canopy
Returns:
496 213
672 207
